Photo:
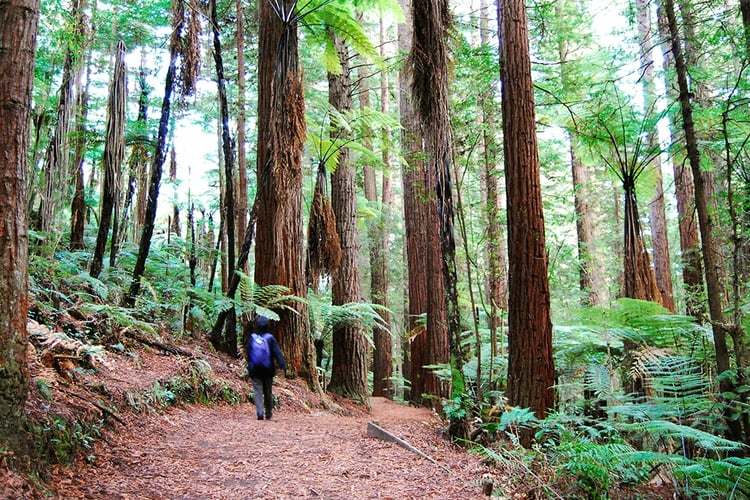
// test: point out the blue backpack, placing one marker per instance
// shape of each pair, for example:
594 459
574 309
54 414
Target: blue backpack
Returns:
259 352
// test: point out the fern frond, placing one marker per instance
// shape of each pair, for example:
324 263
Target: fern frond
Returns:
518 417
598 380
364 315
265 300
121 315
706 478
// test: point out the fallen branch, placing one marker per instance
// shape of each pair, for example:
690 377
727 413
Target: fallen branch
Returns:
101 407
158 345
374 430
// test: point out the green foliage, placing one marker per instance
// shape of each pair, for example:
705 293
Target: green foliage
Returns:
359 124
57 439
611 439
325 317
265 300
340 17
198 385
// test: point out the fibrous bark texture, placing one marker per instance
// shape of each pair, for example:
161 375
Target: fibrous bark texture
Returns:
18 27
531 372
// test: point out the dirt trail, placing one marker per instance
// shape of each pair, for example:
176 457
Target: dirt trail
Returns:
226 453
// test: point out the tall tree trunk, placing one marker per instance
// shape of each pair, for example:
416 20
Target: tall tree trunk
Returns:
114 155
591 276
58 154
692 266
157 163
350 346
78 204
415 223
18 29
531 370
382 362
229 342
429 63
137 163
139 158
657 212
57 162
714 286
174 219
240 216
495 248
279 251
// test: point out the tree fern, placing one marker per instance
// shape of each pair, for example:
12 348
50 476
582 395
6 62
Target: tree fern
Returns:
326 317
318 16
265 300
597 466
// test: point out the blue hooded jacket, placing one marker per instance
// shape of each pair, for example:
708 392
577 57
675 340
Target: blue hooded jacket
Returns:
262 327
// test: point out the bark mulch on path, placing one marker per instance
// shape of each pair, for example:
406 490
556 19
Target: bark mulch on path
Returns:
308 450
226 453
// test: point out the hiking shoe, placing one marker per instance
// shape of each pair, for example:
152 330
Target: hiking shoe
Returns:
260 417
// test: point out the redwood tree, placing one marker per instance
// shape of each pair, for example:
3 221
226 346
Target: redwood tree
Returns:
531 371
429 64
279 250
415 212
495 246
692 267
382 358
350 347
18 28
657 212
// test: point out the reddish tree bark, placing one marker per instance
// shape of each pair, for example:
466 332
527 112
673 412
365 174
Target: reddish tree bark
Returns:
350 347
692 267
414 222
657 212
279 251
382 359
531 371
18 28
428 60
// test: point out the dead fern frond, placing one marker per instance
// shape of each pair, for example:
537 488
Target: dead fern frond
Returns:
324 246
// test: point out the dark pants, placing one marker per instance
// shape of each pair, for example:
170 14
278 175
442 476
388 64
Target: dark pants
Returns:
263 396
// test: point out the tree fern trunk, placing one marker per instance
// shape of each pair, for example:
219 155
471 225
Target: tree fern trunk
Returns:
114 155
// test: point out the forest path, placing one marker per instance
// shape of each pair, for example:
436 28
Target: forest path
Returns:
197 452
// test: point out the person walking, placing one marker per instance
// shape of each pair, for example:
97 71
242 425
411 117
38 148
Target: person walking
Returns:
262 350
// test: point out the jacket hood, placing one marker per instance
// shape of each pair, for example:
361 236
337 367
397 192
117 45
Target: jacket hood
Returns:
262 323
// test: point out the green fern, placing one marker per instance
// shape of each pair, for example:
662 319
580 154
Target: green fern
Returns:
266 300
122 316
319 16
368 316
